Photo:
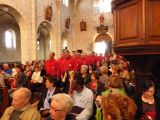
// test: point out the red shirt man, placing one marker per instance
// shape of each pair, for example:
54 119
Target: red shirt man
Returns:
52 66
77 62
67 63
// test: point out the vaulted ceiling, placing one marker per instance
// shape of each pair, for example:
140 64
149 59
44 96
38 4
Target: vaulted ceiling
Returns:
7 15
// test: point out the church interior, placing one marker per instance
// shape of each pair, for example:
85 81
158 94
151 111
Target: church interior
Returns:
58 40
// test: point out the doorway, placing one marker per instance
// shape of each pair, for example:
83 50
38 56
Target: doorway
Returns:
103 44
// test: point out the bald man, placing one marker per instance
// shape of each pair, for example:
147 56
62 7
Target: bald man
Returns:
21 109
52 66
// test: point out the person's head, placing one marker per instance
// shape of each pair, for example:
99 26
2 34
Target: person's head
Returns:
147 88
115 82
84 69
98 64
37 68
123 62
21 98
66 53
78 54
94 76
14 65
91 67
27 68
103 69
61 55
19 68
77 82
51 82
5 66
118 107
51 55
61 105
73 53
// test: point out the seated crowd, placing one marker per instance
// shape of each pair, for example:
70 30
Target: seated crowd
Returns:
77 87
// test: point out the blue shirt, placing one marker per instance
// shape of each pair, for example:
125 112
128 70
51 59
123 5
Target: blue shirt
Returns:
9 71
49 95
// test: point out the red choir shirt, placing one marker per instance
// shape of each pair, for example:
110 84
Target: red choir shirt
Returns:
92 59
67 64
60 61
52 67
99 58
84 60
77 63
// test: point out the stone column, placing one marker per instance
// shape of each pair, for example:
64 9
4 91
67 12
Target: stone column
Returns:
58 35
33 53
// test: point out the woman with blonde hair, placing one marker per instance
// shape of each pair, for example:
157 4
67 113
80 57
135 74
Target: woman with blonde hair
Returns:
118 107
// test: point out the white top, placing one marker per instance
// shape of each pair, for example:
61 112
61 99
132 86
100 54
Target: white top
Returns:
84 100
36 77
14 72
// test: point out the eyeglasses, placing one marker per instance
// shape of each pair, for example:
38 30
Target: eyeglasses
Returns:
56 110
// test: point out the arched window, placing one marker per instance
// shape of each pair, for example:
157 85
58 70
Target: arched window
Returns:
10 39
65 2
102 6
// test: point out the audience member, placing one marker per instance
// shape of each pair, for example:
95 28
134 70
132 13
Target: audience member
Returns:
2 82
52 66
21 109
118 107
47 93
148 105
104 79
82 99
61 105
6 69
86 77
36 80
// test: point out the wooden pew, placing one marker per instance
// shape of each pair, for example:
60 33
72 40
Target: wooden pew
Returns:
4 103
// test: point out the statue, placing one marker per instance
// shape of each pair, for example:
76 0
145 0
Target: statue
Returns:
48 13
101 19
83 26
67 23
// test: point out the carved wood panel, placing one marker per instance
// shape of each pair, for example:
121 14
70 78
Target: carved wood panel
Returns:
154 21
128 21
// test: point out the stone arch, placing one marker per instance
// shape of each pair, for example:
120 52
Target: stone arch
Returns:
17 19
106 37
45 36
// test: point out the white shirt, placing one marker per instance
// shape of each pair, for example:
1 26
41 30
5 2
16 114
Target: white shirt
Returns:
84 100
14 72
36 77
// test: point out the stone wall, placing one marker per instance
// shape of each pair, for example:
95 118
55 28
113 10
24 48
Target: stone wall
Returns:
30 14
85 40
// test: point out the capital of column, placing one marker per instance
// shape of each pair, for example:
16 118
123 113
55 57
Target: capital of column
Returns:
58 3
